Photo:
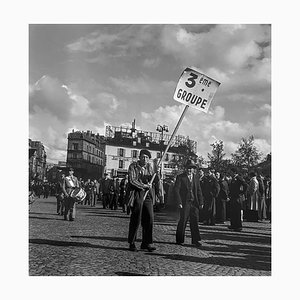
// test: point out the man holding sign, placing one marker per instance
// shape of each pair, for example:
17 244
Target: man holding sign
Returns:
193 89
143 194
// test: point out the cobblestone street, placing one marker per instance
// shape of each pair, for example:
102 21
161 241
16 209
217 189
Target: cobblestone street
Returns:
96 244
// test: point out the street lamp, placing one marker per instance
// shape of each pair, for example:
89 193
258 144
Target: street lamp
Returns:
162 129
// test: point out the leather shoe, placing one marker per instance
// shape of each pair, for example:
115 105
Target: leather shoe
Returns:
148 247
238 229
197 244
132 247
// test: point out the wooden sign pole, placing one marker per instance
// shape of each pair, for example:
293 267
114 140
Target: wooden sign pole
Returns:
168 146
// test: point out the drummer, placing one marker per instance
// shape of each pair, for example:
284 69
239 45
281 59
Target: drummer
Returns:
70 182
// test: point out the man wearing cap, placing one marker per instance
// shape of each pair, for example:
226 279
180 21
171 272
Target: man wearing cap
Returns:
105 189
237 190
189 197
210 189
70 182
139 177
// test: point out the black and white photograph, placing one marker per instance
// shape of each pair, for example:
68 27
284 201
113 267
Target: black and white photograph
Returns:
146 138
150 149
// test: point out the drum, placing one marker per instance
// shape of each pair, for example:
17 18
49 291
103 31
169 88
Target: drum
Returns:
78 194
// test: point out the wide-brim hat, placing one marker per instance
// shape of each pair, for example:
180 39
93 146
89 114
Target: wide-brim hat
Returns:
190 164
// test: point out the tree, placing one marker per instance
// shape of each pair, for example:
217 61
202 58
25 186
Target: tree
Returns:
217 160
200 161
247 155
186 150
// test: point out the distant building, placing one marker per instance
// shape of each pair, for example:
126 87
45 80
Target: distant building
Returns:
124 144
37 160
85 154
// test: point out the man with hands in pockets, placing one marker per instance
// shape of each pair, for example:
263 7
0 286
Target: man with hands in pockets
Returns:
190 200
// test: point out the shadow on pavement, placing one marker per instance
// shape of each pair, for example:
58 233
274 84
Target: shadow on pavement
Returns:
41 218
97 214
237 237
117 239
38 213
248 263
166 224
107 238
129 274
72 244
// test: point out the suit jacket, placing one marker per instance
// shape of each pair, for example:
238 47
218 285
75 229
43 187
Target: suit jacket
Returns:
237 188
181 190
105 186
115 187
210 188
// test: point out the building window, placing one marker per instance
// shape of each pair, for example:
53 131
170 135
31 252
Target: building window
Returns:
147 144
75 146
158 155
139 140
121 164
167 157
134 153
121 152
75 155
134 143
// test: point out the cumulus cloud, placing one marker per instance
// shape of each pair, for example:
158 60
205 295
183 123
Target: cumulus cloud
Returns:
116 41
56 109
151 62
132 85
106 102
141 61
48 94
206 128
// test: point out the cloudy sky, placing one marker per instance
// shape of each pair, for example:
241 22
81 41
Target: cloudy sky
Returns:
86 76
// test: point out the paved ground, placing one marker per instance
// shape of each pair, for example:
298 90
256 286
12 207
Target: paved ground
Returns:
95 244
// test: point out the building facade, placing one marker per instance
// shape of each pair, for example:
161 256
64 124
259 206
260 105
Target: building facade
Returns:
85 153
37 160
124 144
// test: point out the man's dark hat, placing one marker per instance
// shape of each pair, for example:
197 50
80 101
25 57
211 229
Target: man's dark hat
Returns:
105 174
190 164
146 152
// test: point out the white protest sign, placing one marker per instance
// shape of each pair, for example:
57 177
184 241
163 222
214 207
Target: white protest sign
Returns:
195 89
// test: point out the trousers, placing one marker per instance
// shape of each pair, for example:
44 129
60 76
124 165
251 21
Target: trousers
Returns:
70 208
142 213
188 213
235 213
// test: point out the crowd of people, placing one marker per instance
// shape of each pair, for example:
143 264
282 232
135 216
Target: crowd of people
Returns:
204 196
108 191
44 189
256 200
